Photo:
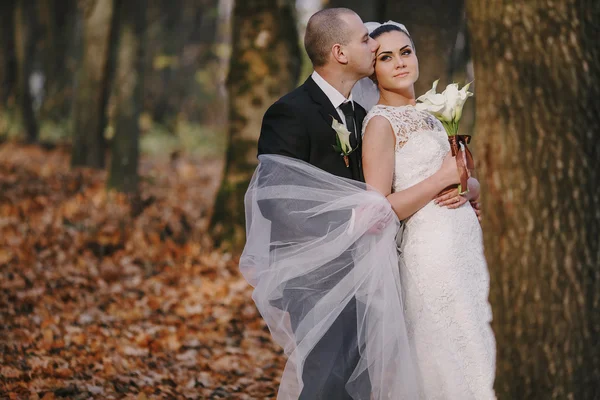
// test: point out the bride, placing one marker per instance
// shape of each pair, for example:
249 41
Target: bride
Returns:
422 318
443 272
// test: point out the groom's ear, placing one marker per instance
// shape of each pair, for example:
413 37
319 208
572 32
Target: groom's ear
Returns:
339 54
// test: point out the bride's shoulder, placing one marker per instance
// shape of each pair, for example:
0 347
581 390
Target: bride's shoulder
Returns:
377 113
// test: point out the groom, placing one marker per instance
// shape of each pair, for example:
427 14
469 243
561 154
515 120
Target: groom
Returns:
299 125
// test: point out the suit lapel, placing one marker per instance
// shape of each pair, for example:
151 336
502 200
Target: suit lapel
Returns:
326 109
328 112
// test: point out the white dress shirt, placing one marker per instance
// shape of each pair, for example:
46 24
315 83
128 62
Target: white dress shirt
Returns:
335 97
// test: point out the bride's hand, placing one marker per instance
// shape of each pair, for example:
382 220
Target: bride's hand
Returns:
451 199
449 171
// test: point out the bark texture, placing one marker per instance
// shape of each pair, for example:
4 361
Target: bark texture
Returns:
537 66
128 100
264 65
92 82
8 61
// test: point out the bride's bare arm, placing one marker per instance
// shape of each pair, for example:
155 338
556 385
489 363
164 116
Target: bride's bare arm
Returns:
378 167
378 155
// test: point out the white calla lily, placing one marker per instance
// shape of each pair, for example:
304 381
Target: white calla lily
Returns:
432 102
451 94
446 106
430 92
343 135
463 95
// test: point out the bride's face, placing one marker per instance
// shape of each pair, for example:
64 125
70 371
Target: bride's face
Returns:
396 66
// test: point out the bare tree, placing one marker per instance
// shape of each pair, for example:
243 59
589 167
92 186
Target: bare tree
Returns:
56 53
93 81
129 79
265 64
8 65
537 66
26 34
181 44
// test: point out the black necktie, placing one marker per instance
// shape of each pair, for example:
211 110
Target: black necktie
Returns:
348 111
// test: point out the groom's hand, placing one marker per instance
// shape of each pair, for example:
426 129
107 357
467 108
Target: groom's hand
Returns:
477 208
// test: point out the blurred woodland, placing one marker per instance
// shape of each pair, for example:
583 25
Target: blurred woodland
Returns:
128 134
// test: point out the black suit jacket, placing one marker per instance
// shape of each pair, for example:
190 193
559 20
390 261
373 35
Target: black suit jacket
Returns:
299 125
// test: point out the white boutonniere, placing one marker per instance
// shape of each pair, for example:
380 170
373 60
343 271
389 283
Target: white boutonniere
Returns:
343 140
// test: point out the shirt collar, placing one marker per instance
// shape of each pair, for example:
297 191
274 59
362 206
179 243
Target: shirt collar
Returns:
335 97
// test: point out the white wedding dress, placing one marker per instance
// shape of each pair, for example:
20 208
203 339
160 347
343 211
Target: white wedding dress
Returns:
443 273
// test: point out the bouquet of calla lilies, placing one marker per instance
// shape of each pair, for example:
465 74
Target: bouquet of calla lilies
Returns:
447 108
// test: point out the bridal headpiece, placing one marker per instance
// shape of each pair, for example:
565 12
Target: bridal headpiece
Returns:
371 26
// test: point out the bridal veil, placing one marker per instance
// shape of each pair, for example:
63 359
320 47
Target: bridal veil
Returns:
311 249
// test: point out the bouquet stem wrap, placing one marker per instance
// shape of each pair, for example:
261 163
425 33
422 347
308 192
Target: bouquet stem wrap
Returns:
464 159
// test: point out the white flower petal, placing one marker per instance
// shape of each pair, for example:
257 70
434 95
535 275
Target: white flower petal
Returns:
343 135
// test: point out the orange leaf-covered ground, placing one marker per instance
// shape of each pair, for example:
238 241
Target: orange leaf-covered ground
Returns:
97 301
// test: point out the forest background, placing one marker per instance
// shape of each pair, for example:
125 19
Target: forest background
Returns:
128 134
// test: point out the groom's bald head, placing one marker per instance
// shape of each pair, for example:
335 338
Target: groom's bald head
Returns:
325 29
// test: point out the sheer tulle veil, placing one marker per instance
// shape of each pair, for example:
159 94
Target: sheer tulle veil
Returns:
310 251
365 92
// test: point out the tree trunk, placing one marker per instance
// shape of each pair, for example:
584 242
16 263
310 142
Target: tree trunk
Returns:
58 25
537 66
434 26
264 65
181 46
166 48
26 39
128 95
92 82
8 61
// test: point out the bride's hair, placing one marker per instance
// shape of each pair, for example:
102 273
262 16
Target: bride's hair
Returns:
385 28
